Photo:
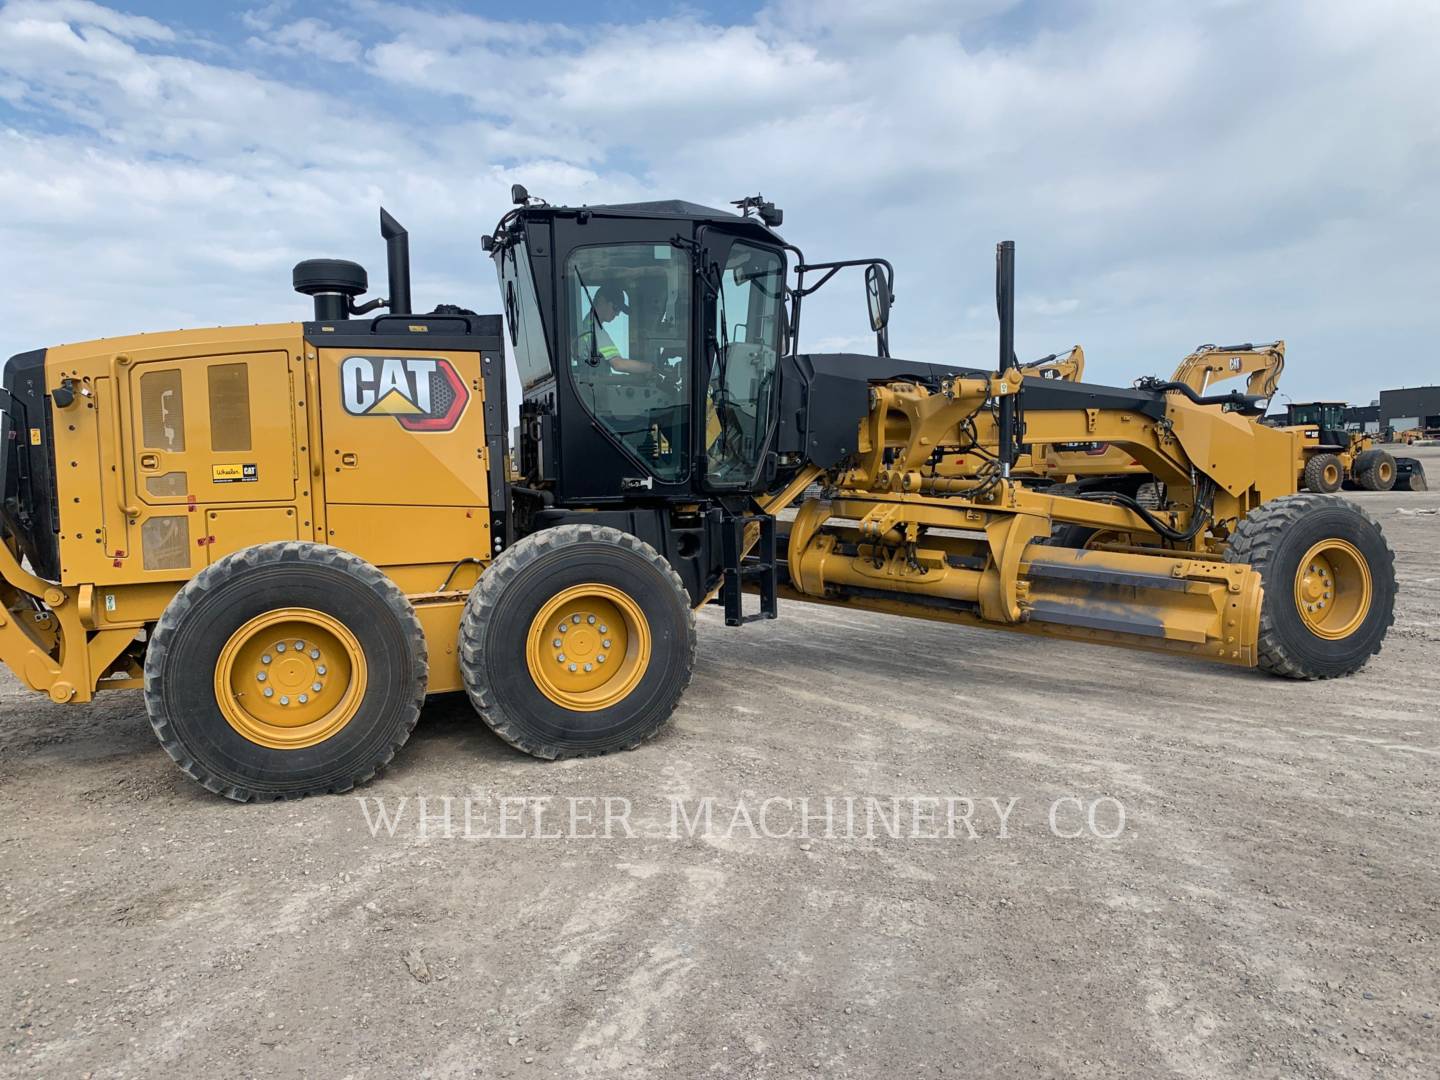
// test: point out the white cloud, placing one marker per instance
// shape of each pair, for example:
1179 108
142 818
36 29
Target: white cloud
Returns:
308 39
82 15
1173 173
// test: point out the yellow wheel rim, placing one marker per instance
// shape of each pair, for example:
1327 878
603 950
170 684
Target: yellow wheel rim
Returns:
1385 472
290 678
1333 589
1332 475
588 647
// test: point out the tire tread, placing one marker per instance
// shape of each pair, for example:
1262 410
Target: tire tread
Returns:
1314 474
1254 541
224 570
486 595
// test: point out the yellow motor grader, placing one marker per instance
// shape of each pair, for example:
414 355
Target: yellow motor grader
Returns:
289 534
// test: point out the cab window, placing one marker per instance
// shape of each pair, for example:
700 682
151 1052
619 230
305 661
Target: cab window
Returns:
741 395
522 316
629 320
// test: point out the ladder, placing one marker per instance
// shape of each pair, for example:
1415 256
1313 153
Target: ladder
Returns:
761 567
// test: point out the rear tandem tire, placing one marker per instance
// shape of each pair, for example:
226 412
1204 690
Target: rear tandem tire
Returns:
232 633
1329 579
1324 474
604 687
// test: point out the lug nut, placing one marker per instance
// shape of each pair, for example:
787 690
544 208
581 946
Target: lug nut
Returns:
265 659
299 646
605 643
314 654
303 699
589 667
600 659
280 646
590 619
556 643
317 687
560 659
269 691
564 627
284 700
260 675
575 619
572 667
320 670
604 629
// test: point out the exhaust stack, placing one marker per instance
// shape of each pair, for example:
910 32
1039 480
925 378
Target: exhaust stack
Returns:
1005 307
397 258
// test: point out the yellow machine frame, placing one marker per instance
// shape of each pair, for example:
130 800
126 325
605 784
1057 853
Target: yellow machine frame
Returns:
319 475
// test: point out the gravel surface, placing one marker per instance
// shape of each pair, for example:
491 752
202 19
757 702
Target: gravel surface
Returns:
1269 906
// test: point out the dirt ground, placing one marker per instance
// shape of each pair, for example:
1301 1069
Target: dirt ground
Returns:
1270 906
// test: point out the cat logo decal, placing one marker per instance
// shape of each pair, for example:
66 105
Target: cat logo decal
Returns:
421 393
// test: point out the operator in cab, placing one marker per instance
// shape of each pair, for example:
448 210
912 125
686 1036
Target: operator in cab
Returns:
596 341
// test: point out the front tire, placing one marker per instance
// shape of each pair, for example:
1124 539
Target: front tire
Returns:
626 642
1324 473
1329 578
283 670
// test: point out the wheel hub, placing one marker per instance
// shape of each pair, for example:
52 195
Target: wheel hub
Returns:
290 678
588 647
1333 589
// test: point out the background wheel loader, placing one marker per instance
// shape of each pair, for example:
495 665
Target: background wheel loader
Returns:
1335 458
289 534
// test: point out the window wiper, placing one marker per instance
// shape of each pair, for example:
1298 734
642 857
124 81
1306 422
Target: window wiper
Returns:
594 358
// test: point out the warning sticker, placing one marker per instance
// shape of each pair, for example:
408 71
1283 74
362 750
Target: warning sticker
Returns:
234 474
34 436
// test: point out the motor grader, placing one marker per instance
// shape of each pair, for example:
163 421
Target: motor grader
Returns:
289 534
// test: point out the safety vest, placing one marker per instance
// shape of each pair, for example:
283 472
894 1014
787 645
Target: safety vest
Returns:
604 345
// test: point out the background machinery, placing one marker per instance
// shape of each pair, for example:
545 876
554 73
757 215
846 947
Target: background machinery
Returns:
289 534
1329 457
1080 464
1334 457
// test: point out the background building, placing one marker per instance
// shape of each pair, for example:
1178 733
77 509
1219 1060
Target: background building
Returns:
1412 407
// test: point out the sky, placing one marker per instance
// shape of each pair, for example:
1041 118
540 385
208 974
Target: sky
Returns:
1173 173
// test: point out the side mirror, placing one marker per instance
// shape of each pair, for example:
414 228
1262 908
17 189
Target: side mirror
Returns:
877 296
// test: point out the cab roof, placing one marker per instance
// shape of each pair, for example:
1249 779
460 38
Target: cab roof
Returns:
677 208
662 210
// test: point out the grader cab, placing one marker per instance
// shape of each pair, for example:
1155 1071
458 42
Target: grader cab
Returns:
288 535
